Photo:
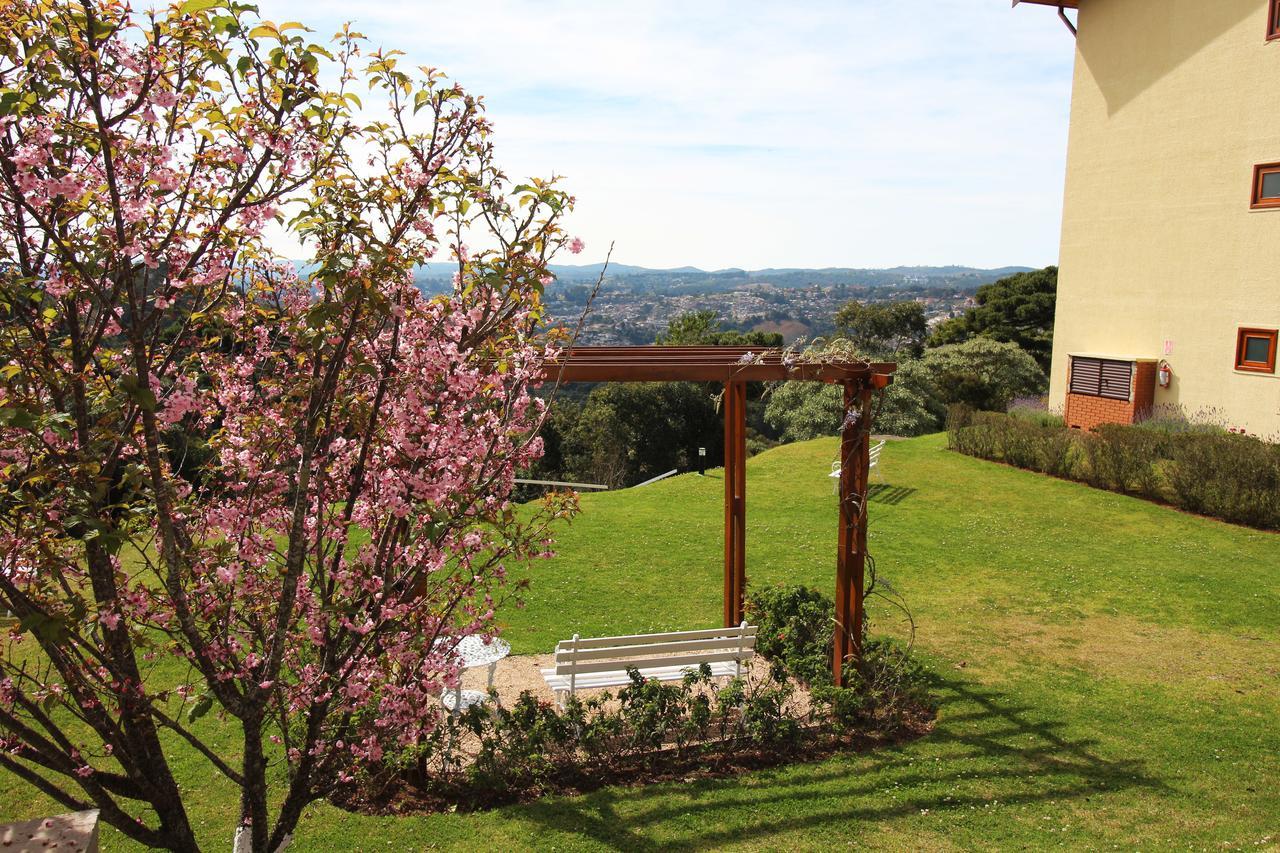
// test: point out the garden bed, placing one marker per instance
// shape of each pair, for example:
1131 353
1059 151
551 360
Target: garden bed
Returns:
783 709
407 795
525 748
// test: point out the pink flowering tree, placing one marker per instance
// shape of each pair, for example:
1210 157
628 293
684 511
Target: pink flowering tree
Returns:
227 484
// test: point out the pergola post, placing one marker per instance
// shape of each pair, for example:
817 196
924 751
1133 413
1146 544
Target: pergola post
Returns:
855 446
735 501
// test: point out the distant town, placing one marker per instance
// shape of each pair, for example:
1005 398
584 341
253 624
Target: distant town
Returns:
633 304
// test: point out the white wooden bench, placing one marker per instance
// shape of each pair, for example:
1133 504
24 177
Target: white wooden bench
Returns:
589 663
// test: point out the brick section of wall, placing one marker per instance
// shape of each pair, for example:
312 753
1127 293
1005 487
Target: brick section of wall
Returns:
1088 412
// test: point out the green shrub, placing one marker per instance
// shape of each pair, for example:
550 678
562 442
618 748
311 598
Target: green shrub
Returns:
1019 440
894 684
1232 477
884 692
966 435
959 415
1057 453
1192 464
517 746
795 631
845 706
796 635
1124 459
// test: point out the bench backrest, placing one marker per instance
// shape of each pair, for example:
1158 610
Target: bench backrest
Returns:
580 655
874 453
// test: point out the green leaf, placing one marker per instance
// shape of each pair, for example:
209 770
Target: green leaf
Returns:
141 395
111 541
202 706
193 6
48 628
17 417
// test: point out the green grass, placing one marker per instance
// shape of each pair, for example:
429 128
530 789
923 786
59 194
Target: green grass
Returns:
1108 670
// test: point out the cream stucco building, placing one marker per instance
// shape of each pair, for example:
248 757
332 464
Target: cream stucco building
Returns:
1170 253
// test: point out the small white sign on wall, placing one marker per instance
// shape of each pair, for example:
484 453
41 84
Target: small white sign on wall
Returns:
1168 347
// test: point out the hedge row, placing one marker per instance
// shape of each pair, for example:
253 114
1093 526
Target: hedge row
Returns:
1232 477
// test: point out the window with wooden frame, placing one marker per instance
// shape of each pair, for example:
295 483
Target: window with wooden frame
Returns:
1273 20
1101 377
1266 185
1256 350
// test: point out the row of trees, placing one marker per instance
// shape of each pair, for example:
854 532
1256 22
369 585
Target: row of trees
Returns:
620 434
995 352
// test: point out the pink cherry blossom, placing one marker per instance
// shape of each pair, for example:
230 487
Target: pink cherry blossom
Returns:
309 473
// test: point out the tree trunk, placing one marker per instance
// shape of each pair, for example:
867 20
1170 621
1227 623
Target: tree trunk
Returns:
253 796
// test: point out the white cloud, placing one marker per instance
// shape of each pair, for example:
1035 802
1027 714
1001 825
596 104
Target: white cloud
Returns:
751 134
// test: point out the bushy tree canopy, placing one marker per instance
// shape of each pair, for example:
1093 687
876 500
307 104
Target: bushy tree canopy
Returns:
982 373
883 329
625 433
800 411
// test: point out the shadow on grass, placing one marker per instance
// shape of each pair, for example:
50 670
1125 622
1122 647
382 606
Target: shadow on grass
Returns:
887 493
991 751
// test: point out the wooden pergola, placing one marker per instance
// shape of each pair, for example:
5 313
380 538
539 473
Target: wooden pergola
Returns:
734 367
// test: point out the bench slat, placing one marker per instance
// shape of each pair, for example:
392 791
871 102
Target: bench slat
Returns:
720 643
572 668
633 639
596 680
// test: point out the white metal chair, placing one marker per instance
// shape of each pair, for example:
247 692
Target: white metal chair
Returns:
874 457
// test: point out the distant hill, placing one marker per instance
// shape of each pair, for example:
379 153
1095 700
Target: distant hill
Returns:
435 277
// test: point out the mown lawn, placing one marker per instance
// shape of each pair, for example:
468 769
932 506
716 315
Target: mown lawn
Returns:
1108 670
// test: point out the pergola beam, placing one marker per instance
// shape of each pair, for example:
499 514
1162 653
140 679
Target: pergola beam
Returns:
701 364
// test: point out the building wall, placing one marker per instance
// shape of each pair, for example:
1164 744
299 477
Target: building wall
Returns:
1174 102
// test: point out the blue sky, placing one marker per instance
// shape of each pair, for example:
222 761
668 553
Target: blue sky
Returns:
750 134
